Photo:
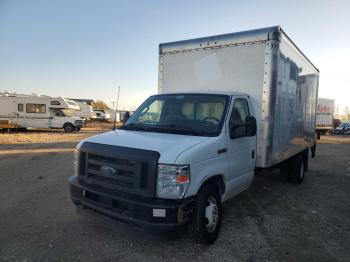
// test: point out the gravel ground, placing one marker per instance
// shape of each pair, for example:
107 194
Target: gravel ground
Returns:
54 135
272 221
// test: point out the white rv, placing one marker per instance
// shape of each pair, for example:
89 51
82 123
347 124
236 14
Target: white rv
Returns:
85 111
100 115
35 111
114 115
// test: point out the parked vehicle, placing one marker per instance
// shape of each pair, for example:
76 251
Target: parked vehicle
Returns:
114 115
227 105
343 129
85 111
35 111
100 115
324 116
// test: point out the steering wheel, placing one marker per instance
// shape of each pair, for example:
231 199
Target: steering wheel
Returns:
207 119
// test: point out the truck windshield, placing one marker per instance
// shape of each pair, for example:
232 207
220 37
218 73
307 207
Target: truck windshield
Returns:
68 112
187 114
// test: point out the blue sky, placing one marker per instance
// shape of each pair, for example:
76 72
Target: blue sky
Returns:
85 49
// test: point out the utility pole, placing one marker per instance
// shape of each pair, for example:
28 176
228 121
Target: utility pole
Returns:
115 111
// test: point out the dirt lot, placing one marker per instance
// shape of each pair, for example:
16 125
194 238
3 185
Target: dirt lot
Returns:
272 221
52 136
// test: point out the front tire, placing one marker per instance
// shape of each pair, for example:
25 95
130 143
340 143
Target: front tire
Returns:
205 226
68 128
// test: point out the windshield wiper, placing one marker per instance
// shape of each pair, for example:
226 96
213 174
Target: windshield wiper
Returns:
179 129
135 127
163 129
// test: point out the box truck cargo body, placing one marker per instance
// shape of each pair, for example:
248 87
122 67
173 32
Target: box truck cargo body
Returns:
324 115
264 64
226 106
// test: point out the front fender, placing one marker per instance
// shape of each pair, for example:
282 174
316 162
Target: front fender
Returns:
204 170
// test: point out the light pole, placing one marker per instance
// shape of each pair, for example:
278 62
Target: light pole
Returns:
115 111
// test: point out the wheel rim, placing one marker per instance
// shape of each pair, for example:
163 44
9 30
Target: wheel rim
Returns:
212 214
301 171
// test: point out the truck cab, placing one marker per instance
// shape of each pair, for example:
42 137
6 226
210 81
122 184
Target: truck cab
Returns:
65 117
174 150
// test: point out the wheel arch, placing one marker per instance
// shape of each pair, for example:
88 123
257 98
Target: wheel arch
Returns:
67 123
217 180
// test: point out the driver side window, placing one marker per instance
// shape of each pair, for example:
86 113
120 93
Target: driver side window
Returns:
237 122
152 113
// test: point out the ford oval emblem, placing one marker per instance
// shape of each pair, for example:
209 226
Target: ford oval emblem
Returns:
108 171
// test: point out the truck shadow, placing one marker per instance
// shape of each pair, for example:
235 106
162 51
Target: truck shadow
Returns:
266 187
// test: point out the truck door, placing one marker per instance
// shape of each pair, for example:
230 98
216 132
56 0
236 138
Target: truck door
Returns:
20 115
241 147
56 119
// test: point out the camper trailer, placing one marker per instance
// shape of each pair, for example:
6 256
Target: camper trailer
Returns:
36 111
85 111
100 115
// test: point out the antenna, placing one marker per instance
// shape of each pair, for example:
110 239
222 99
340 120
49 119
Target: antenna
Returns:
116 107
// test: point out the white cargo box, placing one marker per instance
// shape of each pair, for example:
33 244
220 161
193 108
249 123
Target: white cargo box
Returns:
263 63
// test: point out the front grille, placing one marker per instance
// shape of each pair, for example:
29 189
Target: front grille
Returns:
119 168
127 174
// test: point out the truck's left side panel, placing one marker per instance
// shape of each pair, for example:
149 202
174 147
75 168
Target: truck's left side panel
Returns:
296 90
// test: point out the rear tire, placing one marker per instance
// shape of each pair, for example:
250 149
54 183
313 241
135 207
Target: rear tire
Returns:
306 160
296 172
205 226
68 128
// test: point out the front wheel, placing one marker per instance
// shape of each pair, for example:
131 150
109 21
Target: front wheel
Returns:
68 128
207 215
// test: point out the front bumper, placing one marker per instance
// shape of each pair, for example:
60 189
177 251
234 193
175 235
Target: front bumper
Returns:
154 216
79 124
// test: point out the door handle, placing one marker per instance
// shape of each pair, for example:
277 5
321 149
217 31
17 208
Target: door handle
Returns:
253 153
222 150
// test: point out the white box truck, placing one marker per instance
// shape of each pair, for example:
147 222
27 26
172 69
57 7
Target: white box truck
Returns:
227 106
35 111
324 116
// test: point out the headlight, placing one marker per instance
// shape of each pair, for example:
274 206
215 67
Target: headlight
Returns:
173 180
76 161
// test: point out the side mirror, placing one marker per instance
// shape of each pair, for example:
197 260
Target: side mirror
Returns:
126 117
250 122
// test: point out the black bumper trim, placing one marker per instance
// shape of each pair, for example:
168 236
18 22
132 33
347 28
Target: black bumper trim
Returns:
134 212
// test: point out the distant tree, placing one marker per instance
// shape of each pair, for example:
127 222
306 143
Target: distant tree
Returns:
99 104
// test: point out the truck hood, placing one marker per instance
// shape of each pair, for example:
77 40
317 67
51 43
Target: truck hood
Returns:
170 146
